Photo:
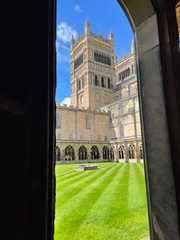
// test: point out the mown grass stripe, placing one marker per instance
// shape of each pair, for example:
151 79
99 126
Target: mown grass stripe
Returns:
126 218
64 168
137 186
72 172
68 177
118 210
115 218
82 202
76 182
141 168
99 213
73 189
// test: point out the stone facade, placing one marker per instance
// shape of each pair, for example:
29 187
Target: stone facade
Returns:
103 122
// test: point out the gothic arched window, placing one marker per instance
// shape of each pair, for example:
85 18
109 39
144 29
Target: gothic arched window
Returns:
79 84
112 153
94 152
121 152
109 83
105 152
102 82
82 82
82 153
69 153
131 151
96 81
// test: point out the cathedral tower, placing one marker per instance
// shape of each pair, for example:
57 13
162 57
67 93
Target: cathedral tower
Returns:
92 67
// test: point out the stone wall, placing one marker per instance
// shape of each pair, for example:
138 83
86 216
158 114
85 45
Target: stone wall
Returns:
82 124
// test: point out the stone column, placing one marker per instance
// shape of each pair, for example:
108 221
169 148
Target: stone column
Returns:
117 153
135 151
126 155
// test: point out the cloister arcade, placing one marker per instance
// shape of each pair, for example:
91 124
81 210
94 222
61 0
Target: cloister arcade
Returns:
119 152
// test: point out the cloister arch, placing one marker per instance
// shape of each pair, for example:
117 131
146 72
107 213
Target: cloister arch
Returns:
131 151
105 151
69 153
121 151
155 27
82 153
94 153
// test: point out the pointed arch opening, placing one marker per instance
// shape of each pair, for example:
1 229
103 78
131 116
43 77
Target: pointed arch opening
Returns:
94 153
105 151
69 153
82 152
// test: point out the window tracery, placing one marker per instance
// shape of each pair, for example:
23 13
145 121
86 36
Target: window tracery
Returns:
94 152
82 153
102 58
105 151
69 153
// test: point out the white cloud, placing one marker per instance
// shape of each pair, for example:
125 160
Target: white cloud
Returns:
62 52
64 47
66 100
77 8
65 32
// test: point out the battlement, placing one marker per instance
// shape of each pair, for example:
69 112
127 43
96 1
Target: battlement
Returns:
98 36
83 109
124 57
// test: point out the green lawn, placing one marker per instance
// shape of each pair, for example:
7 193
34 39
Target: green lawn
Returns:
108 203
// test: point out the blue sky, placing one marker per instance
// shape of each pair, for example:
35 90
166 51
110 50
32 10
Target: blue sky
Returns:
102 16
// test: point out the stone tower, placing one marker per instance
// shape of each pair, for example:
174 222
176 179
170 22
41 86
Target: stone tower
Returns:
92 69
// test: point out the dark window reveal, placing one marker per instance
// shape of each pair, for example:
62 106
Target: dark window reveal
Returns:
102 58
78 61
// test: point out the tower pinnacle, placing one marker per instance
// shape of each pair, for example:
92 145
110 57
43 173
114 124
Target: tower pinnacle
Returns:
111 36
87 27
72 41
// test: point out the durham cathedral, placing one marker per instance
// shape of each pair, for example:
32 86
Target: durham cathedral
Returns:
103 121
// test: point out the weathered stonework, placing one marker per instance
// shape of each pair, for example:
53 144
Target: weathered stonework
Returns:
103 121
